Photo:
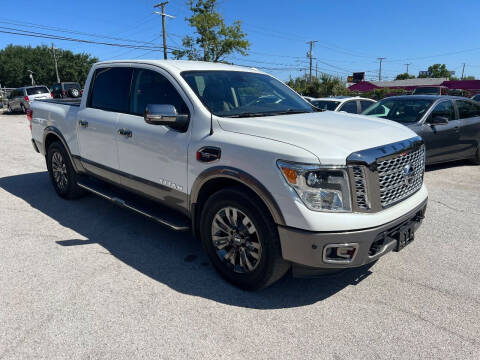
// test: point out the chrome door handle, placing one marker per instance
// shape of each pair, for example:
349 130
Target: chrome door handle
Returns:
83 123
125 132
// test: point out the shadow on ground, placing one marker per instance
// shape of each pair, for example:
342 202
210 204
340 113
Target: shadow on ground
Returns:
449 165
174 259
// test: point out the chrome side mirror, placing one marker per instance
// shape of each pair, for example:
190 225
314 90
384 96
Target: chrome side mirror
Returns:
161 114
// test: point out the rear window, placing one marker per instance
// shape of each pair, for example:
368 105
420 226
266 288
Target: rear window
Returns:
111 89
69 86
37 90
427 91
325 104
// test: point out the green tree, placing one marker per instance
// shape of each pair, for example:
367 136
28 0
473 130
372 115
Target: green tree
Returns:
437 71
16 60
325 85
404 76
214 40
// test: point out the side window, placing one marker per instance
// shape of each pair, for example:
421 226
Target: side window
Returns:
349 107
111 89
365 104
150 87
444 109
467 109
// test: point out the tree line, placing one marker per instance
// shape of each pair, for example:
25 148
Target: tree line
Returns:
16 62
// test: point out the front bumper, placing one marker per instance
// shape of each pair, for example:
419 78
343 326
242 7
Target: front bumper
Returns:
306 248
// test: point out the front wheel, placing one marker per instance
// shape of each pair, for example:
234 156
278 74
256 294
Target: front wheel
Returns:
62 174
241 239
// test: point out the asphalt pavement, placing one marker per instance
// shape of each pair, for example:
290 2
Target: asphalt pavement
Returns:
85 279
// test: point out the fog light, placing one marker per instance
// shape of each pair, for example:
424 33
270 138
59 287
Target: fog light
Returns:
340 253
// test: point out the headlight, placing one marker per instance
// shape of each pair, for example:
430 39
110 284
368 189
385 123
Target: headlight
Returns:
320 188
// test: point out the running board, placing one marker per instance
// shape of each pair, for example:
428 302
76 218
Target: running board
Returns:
150 209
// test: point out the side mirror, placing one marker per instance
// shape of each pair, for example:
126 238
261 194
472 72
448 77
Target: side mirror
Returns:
157 114
438 120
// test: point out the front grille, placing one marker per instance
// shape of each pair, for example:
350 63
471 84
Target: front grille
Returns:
400 176
360 186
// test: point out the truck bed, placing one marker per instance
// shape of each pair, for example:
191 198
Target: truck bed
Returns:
71 101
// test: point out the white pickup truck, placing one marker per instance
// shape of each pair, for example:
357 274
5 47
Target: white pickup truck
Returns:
263 179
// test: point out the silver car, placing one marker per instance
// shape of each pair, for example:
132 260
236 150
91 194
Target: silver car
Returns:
21 98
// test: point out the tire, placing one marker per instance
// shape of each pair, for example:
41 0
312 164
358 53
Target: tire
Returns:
74 93
62 174
9 109
23 109
248 253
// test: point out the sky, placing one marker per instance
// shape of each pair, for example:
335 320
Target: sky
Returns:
350 34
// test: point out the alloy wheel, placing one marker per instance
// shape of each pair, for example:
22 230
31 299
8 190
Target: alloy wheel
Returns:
236 240
59 170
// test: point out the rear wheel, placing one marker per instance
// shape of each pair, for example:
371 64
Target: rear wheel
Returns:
23 109
62 174
241 240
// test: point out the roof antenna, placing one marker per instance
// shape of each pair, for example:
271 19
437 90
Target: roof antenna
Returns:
211 124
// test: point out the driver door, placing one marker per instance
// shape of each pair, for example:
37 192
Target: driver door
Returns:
153 158
441 141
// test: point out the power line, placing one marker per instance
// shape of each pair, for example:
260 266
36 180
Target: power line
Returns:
21 32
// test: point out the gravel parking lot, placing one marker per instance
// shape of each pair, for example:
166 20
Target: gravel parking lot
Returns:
85 279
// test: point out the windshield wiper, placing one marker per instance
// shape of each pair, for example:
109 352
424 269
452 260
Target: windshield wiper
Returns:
249 114
290 111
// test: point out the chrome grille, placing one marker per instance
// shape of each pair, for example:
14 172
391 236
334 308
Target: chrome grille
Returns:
360 187
400 176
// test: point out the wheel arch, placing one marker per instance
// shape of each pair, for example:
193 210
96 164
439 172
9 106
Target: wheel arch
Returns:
51 134
220 177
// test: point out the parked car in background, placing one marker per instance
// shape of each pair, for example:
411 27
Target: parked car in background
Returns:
431 90
266 183
21 98
352 105
67 90
476 97
449 125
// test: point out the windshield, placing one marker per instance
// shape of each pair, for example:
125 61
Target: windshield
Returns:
400 110
244 94
37 90
427 91
326 104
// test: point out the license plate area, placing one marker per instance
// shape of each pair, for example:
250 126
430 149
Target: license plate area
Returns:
406 234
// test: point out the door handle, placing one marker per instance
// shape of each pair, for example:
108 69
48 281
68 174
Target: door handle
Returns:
83 123
125 132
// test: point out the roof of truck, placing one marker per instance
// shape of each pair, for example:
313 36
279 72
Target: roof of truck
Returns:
185 65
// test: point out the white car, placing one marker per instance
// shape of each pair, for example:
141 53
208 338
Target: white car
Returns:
265 185
352 105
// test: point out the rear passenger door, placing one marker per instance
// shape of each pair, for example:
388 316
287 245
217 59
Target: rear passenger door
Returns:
153 158
469 123
98 121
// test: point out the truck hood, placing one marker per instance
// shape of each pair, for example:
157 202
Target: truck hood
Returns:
330 136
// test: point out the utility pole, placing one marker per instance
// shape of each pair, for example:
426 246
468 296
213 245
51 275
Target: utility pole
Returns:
310 56
407 67
164 34
55 60
316 70
463 70
380 69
